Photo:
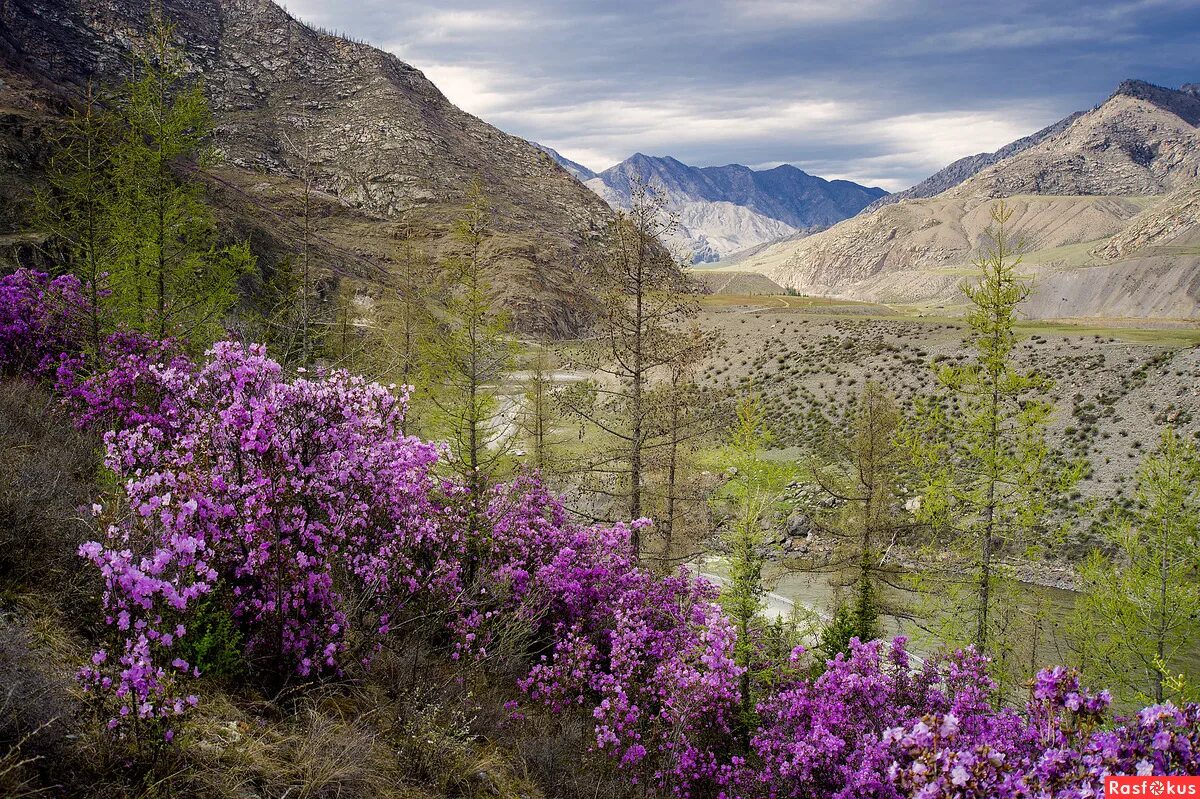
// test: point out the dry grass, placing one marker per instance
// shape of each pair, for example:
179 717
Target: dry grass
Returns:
346 742
47 475
317 752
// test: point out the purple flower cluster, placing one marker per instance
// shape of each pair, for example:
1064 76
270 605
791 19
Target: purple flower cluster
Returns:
648 658
300 498
1060 747
137 383
42 321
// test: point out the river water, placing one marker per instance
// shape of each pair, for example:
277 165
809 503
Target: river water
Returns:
813 596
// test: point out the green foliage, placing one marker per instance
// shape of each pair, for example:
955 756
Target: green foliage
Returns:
753 494
858 618
863 475
473 353
1177 684
408 326
539 411
396 337
988 476
213 643
1140 611
76 206
125 215
271 313
170 277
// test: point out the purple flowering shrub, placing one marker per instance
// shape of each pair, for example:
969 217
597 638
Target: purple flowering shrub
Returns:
42 321
649 658
300 498
1058 748
138 382
813 734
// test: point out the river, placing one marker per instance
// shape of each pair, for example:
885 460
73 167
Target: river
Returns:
812 595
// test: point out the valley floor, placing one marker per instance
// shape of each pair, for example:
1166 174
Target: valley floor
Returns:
1116 382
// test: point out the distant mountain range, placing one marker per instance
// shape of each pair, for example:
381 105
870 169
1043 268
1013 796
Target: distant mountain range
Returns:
1105 201
725 209
579 171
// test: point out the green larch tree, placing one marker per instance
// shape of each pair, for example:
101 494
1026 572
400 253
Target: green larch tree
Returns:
76 207
172 278
300 145
1141 606
863 472
400 327
683 414
409 322
539 411
473 354
986 472
751 498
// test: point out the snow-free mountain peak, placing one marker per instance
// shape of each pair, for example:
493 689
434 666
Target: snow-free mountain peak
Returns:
724 209
1104 202
578 170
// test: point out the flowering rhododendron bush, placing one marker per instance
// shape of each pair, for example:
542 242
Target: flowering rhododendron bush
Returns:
295 505
42 321
650 658
1059 748
299 501
813 733
138 383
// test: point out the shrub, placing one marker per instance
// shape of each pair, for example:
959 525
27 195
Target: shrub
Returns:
299 500
41 322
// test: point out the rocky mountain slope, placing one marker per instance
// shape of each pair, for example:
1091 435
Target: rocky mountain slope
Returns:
388 150
1105 208
724 209
1142 140
964 168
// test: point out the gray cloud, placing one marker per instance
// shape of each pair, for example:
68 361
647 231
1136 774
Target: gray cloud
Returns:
878 91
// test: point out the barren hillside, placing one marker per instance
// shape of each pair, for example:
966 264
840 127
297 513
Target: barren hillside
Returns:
1103 208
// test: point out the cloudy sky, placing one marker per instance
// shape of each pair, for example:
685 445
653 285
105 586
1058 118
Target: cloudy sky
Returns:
883 92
